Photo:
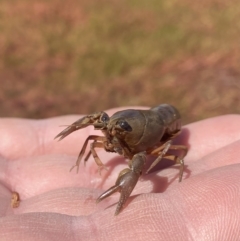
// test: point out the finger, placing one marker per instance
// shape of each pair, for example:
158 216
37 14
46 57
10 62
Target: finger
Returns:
202 207
35 175
37 227
73 201
165 179
5 200
206 136
81 201
25 137
30 171
36 137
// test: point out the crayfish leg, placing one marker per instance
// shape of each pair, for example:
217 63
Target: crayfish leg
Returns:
97 142
162 150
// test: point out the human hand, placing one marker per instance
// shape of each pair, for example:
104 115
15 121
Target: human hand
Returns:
60 205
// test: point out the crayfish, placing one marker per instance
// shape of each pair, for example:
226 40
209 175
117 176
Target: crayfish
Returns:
133 134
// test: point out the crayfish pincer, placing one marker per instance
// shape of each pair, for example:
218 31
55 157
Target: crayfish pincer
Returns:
133 134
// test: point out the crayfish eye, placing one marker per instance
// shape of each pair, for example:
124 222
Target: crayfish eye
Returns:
124 125
104 118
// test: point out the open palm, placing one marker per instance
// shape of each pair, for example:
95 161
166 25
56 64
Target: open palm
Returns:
60 205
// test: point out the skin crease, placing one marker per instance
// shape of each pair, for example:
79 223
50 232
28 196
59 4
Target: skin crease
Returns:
60 205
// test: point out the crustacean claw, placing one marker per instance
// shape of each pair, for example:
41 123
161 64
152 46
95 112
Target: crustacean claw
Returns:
98 120
126 181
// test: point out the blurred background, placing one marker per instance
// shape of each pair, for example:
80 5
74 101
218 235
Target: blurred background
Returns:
77 57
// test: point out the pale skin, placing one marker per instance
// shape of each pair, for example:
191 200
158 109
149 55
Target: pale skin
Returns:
56 204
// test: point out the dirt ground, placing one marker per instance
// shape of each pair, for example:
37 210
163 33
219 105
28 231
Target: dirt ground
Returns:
78 57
